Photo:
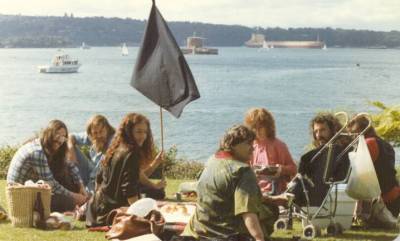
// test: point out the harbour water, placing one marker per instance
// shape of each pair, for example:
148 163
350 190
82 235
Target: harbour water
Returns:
293 84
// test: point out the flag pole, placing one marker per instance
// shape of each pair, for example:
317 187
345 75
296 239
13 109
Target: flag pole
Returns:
162 140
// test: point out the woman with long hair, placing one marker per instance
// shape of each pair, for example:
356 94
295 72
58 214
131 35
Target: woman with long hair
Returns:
269 151
44 158
98 136
121 170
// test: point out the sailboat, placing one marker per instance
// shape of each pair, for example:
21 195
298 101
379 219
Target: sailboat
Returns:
324 47
124 50
265 45
84 46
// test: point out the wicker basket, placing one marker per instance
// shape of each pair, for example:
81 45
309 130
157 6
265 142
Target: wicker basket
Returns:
21 202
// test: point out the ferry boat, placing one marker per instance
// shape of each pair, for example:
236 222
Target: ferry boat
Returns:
61 63
194 45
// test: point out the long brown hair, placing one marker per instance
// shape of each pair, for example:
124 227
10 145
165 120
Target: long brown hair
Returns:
124 139
259 117
95 121
56 158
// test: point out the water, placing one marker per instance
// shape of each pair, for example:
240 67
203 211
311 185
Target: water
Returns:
293 84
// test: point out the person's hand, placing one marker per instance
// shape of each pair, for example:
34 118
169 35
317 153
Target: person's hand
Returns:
71 141
278 171
161 184
79 199
159 158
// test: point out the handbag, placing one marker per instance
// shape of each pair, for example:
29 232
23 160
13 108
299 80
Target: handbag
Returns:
363 182
125 226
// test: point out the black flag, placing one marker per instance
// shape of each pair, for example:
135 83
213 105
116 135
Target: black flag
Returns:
161 72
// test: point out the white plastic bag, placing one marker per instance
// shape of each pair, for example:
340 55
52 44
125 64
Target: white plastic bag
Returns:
363 183
142 207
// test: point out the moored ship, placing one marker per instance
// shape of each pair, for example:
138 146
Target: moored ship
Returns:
194 45
259 41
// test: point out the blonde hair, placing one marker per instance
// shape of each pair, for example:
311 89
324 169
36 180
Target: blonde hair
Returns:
257 118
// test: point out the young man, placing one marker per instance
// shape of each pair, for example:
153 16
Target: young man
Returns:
323 127
383 157
230 204
98 136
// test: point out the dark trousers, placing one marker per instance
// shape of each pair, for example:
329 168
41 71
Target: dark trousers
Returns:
394 207
157 194
61 203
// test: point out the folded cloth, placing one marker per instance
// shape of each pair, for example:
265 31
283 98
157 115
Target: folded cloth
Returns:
99 229
175 227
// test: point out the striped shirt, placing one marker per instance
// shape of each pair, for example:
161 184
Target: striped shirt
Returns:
30 163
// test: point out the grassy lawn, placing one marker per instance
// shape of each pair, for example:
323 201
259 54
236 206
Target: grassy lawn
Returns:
7 232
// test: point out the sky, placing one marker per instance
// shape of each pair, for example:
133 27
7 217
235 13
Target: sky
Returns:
349 14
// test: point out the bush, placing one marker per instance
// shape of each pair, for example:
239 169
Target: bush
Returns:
6 154
387 122
178 168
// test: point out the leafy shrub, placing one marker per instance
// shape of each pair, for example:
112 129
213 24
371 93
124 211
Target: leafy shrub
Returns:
178 168
387 122
6 154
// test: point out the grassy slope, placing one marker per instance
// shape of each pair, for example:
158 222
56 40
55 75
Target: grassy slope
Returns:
7 232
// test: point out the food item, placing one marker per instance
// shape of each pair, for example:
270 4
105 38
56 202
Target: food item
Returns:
175 208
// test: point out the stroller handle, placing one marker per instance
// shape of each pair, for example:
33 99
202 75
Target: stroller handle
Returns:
349 146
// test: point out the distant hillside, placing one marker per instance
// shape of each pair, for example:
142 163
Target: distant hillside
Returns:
68 31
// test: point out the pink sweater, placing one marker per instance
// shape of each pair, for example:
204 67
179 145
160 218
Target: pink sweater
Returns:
273 152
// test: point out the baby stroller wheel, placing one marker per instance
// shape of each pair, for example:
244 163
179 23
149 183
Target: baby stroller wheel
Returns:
334 229
311 231
281 224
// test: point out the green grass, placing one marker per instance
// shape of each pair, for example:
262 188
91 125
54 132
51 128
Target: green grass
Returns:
7 232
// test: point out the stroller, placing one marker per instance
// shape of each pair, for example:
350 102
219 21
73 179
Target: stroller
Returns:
315 200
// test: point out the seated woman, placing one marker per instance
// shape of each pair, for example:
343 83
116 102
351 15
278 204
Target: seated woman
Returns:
98 136
44 158
269 151
229 200
117 182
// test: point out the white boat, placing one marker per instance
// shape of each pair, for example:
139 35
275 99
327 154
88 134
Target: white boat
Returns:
265 45
61 63
324 47
84 46
124 50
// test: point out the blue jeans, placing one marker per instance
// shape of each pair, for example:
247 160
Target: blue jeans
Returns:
86 170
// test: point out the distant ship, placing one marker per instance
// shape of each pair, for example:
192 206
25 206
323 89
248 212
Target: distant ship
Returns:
124 50
84 46
61 63
194 45
258 41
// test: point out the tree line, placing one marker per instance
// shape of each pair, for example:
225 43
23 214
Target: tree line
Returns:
69 31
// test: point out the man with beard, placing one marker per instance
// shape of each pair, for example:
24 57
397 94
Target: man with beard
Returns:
98 136
312 167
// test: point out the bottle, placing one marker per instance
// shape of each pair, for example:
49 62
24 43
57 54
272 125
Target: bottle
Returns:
38 213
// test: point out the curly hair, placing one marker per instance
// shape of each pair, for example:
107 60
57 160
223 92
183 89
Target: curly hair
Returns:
125 139
329 119
359 123
259 117
235 135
